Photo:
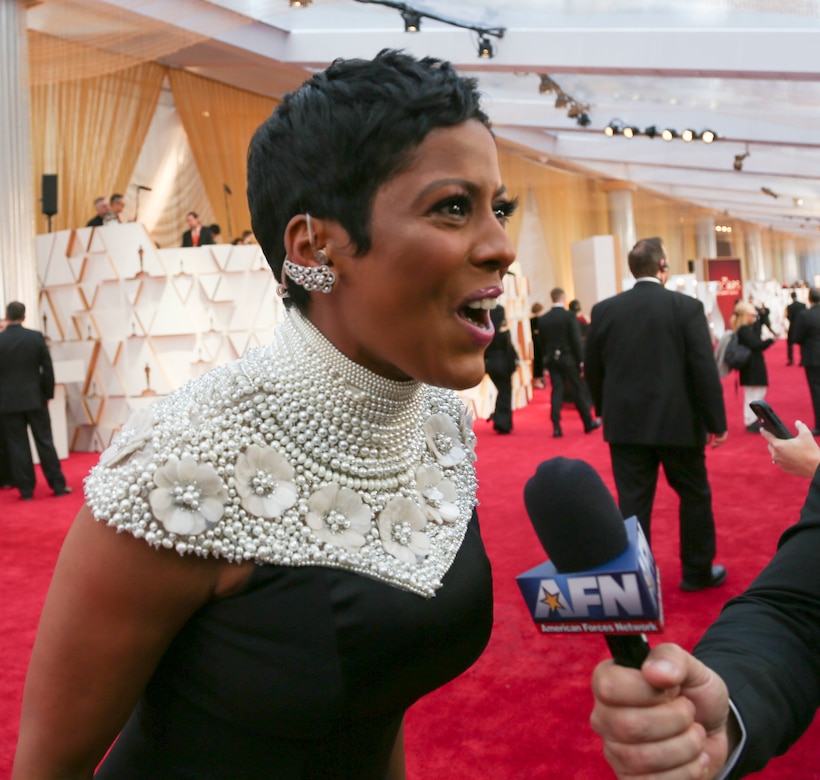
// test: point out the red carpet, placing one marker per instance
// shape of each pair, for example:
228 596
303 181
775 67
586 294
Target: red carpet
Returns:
521 712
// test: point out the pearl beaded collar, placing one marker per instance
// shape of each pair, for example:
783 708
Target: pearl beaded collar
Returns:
294 455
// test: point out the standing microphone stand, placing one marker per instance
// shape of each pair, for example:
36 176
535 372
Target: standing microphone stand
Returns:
227 191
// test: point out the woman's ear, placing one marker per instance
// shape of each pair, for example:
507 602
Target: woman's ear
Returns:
300 238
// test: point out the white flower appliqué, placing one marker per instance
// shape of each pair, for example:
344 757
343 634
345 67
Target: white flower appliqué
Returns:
401 524
467 433
189 497
444 440
438 495
338 516
264 482
135 434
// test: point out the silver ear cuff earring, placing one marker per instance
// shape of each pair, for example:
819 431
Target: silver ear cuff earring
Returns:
320 278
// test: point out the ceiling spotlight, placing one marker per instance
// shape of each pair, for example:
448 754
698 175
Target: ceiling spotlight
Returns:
611 130
299 3
583 119
412 20
688 135
630 132
575 109
651 131
668 134
770 193
485 48
562 101
707 136
739 158
547 85
798 201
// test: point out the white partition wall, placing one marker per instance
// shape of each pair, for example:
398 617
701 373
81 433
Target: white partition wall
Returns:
593 269
140 321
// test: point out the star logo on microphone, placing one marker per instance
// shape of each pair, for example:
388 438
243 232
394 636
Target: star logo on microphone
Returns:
552 600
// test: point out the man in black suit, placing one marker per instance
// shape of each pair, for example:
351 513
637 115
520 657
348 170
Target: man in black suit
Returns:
101 207
654 380
26 385
197 234
792 312
806 330
752 684
563 356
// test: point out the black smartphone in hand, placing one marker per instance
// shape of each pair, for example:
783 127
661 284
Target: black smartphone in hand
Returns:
769 420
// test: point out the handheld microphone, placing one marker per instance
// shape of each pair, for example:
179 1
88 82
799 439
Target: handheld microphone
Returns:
601 576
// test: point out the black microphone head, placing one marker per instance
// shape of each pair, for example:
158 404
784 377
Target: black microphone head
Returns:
574 515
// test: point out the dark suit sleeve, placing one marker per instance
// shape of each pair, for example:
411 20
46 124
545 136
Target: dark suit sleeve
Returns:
205 236
766 643
577 344
593 366
797 329
701 366
186 238
46 370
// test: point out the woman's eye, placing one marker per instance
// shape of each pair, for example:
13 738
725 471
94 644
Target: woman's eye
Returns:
454 207
505 209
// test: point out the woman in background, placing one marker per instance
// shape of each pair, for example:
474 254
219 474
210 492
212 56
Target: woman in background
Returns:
753 376
500 361
277 560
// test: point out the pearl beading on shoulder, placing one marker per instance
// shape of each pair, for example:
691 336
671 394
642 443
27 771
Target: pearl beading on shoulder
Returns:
294 455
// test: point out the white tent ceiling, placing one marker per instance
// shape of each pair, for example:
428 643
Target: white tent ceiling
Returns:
747 70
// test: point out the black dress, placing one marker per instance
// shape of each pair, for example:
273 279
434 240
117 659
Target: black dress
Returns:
305 674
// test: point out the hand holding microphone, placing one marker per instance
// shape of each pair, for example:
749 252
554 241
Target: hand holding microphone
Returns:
672 716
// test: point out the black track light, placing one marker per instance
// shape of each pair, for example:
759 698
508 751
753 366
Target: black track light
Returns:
651 131
562 101
668 134
688 135
583 119
412 20
707 136
630 132
485 47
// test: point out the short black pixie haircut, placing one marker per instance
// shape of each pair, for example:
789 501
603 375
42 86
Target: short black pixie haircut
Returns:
331 144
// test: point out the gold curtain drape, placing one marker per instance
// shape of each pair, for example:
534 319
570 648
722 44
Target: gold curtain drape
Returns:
90 133
219 121
658 216
569 204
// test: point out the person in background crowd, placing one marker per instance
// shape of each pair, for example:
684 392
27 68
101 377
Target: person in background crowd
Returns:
751 686
791 314
583 322
216 232
754 379
564 358
763 318
653 377
281 557
101 207
196 234
806 330
26 386
537 354
5 466
116 207
500 361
